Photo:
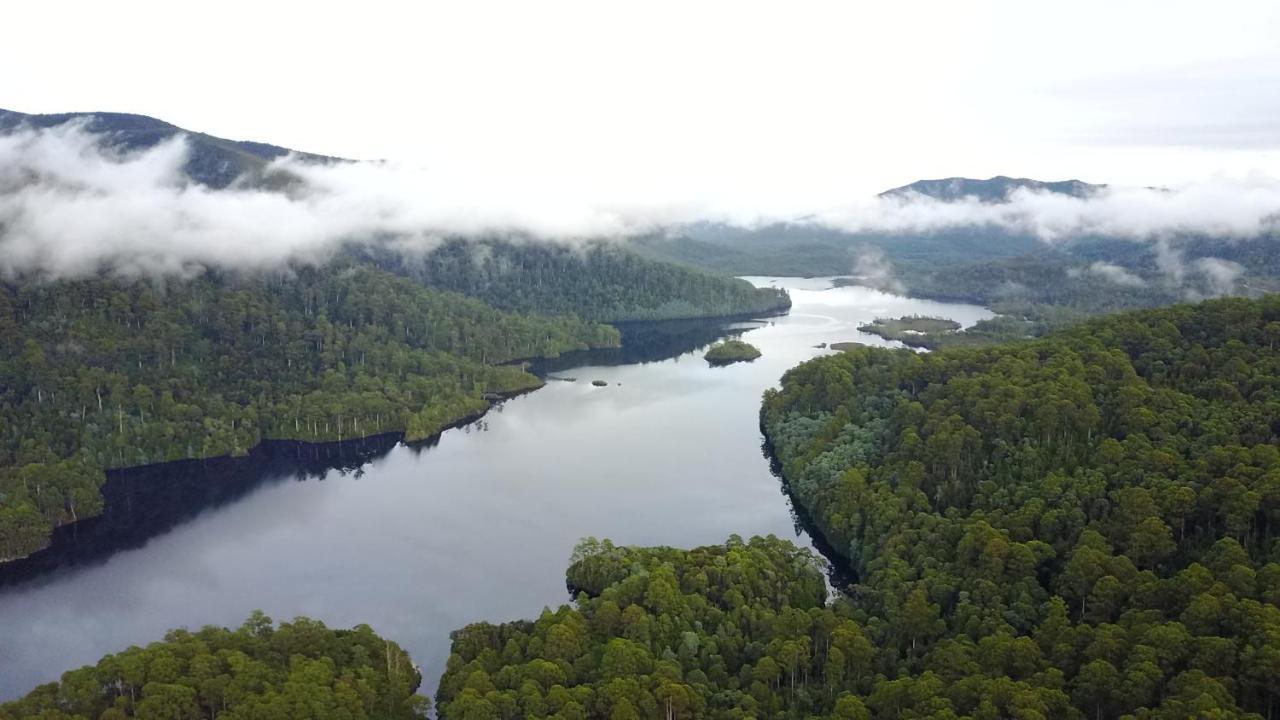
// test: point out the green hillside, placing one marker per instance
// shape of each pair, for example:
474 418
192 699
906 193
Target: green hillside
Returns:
106 373
1093 513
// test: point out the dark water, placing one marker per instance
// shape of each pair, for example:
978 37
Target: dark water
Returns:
419 541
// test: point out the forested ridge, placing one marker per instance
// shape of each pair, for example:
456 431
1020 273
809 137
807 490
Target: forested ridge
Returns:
297 670
600 281
101 373
1078 526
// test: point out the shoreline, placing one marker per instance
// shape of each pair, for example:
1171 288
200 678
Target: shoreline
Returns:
840 574
309 457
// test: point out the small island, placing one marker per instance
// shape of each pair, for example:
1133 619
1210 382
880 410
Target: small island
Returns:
599 383
731 351
912 330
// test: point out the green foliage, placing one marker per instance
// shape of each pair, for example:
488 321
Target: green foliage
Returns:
297 671
731 351
598 281
1089 517
912 330
731 631
107 373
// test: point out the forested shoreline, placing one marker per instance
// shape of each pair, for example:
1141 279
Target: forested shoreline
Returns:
1080 527
716 631
110 373
595 280
298 669
1088 518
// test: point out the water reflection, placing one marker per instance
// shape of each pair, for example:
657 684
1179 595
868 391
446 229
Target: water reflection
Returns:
142 503
647 342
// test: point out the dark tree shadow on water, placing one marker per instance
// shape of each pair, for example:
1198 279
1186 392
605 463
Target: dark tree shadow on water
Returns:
144 502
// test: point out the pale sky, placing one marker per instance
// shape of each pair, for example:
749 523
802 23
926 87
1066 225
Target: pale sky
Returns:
747 107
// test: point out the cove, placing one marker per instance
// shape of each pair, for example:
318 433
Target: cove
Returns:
419 541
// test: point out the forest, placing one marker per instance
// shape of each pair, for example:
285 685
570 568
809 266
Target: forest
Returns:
1078 526
1035 287
719 631
598 280
105 373
299 670
731 351
112 371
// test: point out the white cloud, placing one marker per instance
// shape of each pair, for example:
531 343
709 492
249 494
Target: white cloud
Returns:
69 207
748 107
1221 207
1220 275
1116 274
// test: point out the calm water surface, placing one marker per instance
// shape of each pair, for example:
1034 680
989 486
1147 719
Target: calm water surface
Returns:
419 542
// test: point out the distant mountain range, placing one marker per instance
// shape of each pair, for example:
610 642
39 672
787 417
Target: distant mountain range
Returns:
213 161
991 190
217 162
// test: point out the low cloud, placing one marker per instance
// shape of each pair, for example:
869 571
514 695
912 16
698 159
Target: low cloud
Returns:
1231 208
1220 276
1116 274
875 270
70 206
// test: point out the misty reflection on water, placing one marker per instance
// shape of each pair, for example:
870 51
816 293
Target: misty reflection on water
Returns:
419 541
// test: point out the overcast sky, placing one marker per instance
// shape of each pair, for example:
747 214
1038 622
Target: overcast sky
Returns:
748 107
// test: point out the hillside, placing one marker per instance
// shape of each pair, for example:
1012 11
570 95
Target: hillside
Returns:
600 281
103 373
1092 513
1034 285
593 279
213 161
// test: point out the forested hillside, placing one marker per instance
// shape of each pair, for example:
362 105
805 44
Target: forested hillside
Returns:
1089 516
732 631
1036 286
106 373
293 671
595 280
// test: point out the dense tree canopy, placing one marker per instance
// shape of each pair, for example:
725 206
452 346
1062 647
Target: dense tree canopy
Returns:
1080 526
731 631
731 351
297 671
594 280
103 373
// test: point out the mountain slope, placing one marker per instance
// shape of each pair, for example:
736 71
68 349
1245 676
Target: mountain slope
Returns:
104 373
995 189
213 161
595 280
600 281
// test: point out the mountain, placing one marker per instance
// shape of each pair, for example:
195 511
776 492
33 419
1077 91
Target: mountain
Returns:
991 190
594 280
213 161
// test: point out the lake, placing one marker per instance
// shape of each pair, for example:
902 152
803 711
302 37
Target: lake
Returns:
417 542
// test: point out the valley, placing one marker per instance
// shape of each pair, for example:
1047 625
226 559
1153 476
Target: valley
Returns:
418 541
